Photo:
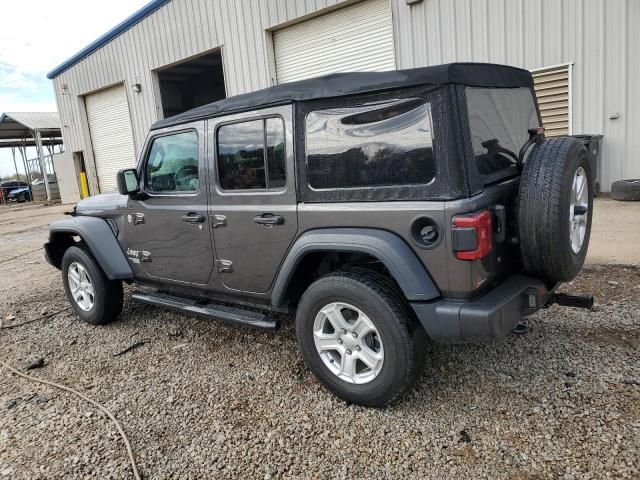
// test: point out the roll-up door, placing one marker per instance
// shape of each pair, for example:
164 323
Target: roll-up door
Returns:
552 90
354 38
111 134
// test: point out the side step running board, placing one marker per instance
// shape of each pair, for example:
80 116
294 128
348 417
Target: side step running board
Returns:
223 313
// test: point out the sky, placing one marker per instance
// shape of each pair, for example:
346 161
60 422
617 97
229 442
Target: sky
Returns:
38 35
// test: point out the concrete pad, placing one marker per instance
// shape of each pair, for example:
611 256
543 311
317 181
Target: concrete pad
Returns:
615 233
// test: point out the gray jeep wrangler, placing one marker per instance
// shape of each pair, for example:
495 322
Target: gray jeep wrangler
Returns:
386 209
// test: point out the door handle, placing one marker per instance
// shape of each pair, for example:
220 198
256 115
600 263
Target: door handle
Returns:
193 218
269 219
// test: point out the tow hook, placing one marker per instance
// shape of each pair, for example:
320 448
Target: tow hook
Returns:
570 300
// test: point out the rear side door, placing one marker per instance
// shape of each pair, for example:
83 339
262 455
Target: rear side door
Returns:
169 226
253 207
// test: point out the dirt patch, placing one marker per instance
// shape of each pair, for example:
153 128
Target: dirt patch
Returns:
607 336
203 400
607 283
614 233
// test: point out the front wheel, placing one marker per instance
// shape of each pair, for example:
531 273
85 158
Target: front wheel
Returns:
359 337
96 299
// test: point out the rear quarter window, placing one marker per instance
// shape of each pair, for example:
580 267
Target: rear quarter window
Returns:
499 117
376 144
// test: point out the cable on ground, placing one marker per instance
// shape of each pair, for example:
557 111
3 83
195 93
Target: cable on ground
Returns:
43 317
104 410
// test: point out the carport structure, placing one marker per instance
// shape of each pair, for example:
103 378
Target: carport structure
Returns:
31 129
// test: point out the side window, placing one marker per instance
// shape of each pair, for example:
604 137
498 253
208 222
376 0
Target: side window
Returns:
251 155
377 144
172 164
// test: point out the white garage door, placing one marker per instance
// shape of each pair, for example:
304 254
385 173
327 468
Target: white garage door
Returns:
352 39
111 134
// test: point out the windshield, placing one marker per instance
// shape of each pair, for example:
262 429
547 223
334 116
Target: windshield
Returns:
499 120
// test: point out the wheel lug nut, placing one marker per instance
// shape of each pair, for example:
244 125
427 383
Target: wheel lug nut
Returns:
358 348
343 331
355 335
339 341
348 352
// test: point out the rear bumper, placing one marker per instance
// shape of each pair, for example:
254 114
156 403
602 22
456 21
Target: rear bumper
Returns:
490 316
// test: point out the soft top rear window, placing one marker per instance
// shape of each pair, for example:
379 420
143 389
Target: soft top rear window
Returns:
499 119
381 143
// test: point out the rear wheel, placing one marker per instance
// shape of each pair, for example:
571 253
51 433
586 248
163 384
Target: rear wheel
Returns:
96 299
359 337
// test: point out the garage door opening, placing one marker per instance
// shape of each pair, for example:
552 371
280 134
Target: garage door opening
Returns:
192 83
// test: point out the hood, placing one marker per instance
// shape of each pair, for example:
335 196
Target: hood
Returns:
106 202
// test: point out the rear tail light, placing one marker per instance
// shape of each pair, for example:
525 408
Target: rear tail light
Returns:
472 235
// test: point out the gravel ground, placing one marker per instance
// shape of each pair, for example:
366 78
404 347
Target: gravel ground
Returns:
203 400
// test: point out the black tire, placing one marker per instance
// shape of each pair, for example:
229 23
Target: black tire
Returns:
544 209
108 294
402 337
22 198
626 190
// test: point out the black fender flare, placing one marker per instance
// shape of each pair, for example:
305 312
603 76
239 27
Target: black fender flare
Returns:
98 237
403 264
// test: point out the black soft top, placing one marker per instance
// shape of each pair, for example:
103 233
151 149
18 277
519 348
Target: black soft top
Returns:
343 84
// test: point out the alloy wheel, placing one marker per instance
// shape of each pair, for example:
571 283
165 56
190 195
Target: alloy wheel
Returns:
348 343
81 286
578 209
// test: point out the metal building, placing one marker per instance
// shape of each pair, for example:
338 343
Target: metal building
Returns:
173 55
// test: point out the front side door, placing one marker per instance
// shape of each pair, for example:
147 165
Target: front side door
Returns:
253 207
170 237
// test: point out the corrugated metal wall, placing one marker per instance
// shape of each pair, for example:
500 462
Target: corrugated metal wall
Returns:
598 36
178 30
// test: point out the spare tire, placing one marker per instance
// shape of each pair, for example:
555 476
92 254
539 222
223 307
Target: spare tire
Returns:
626 190
555 209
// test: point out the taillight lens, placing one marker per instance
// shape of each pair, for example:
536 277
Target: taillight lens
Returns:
472 235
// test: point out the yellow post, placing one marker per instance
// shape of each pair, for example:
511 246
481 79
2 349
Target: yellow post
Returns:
84 184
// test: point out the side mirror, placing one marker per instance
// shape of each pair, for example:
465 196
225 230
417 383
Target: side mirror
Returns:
128 182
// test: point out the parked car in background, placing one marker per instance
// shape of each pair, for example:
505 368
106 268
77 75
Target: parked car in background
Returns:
20 195
10 185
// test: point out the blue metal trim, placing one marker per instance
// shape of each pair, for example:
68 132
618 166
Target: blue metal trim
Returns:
107 37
